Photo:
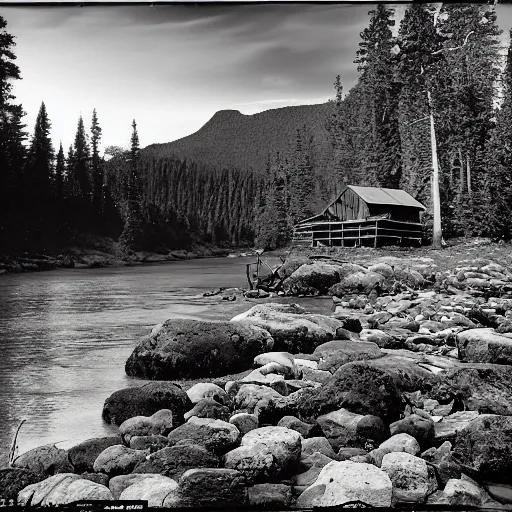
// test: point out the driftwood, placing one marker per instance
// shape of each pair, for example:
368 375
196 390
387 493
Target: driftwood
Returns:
14 447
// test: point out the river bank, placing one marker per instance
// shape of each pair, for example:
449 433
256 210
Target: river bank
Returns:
394 389
104 253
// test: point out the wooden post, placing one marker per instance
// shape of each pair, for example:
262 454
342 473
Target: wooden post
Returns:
342 235
359 234
330 234
375 239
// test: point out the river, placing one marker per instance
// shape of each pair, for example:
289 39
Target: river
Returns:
66 334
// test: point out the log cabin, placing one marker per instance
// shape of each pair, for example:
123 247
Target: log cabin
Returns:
364 216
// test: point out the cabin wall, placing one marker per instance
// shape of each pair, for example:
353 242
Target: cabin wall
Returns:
349 206
402 213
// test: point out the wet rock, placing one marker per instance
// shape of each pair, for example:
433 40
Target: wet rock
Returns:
213 488
145 401
293 423
283 443
255 463
45 461
342 482
397 443
192 348
210 390
209 408
13 480
62 489
216 436
244 422
118 460
484 346
412 480
159 423
345 429
270 496
83 455
175 460
484 447
420 427
335 354
154 490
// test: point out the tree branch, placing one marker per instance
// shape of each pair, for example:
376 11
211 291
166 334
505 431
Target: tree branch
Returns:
456 48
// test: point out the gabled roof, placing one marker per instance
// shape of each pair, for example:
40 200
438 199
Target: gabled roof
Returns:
391 196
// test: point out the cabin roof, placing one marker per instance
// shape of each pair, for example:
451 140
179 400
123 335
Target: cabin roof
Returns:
389 196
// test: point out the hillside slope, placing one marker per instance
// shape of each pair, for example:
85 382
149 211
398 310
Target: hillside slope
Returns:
231 139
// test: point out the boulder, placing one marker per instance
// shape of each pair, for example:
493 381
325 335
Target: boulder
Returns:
210 390
270 496
349 453
213 488
62 489
458 493
377 337
312 279
282 358
361 281
321 376
412 478
359 387
186 348
254 462
484 346
145 401
150 443
292 329
13 480
335 354
448 428
245 422
249 395
483 388
159 423
343 428
45 461
397 443
283 443
316 444
118 460
83 455
421 427
208 408
216 436
484 447
118 484
441 459
154 490
173 461
342 482
293 423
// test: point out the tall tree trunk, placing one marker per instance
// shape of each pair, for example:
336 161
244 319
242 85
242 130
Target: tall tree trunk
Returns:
468 174
461 173
436 199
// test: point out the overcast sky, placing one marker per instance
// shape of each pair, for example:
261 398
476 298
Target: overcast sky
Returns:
172 67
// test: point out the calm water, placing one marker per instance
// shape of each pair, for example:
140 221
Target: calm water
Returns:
66 334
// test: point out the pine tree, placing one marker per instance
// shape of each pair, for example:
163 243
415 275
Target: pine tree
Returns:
497 189
81 161
96 165
12 135
59 175
71 189
132 235
40 162
382 162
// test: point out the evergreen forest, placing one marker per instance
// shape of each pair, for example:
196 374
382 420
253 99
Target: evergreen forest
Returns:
445 70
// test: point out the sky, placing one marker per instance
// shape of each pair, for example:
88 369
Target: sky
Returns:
171 67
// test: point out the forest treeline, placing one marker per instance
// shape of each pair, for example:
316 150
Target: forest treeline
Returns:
445 67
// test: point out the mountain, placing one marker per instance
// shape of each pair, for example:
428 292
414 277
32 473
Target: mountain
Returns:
232 139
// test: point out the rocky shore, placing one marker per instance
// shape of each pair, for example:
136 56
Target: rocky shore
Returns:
402 394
